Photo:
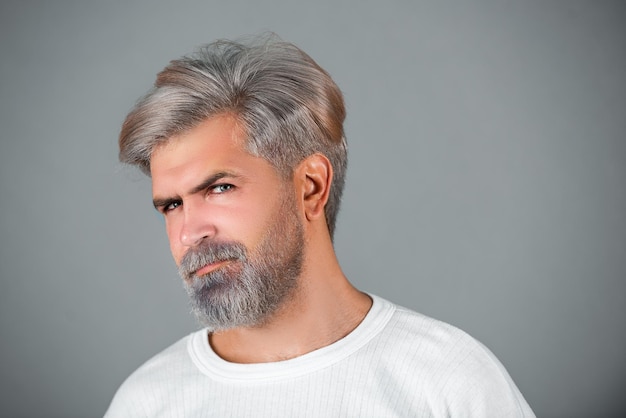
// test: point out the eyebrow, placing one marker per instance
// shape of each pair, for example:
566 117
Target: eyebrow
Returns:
161 202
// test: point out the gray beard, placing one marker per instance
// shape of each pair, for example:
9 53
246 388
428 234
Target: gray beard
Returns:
249 288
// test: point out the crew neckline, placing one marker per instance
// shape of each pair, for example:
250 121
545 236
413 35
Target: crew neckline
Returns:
210 364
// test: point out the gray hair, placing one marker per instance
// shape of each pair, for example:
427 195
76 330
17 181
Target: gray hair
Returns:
288 106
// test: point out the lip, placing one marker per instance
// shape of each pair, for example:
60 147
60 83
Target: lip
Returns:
209 268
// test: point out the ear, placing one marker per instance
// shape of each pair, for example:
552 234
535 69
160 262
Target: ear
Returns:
314 174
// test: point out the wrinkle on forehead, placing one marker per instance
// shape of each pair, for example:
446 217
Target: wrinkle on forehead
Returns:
237 134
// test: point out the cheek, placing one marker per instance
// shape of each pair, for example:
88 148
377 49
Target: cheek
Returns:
244 226
173 234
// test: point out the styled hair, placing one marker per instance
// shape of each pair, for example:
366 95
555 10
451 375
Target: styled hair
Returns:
287 105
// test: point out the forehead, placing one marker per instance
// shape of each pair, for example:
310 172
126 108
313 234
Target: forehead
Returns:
215 145
212 134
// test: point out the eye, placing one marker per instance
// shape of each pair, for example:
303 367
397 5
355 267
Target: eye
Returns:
171 206
221 188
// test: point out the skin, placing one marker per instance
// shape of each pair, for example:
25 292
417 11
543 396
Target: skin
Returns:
209 187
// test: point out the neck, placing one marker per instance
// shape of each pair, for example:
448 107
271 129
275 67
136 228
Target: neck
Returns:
324 308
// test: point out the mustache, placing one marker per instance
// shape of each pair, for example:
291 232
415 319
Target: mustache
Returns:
209 253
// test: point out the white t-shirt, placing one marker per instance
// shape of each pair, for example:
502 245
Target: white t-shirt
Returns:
395 363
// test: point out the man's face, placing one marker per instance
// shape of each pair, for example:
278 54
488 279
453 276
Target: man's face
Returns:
232 224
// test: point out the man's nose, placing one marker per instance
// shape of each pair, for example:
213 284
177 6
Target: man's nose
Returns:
197 226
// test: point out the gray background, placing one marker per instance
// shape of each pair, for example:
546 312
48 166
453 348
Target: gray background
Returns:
486 184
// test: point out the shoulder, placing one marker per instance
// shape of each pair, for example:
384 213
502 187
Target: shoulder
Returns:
437 340
150 384
450 366
434 340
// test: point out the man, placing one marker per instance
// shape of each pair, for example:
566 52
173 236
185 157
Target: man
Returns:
245 147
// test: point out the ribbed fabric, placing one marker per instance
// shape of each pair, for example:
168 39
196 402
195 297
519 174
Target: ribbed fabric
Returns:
396 363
